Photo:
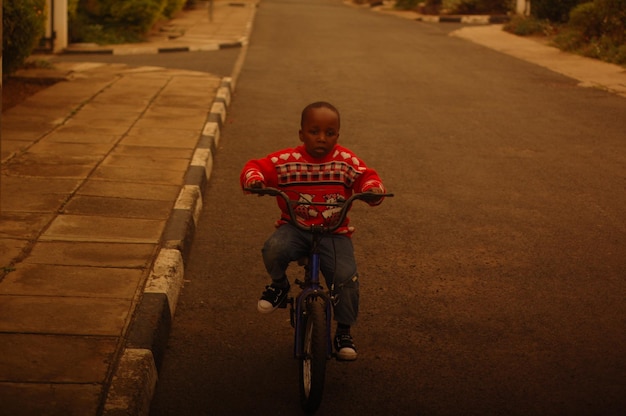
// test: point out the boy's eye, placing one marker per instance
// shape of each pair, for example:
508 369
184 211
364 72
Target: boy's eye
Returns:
330 133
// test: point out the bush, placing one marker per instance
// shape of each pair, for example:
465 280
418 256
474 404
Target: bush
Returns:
172 7
596 29
586 20
136 16
72 8
23 25
553 10
407 4
482 6
118 21
528 26
608 19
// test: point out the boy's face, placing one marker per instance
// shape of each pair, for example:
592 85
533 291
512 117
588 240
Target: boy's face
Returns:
319 131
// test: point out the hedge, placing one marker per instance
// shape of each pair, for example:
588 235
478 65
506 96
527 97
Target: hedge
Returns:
118 21
23 26
554 10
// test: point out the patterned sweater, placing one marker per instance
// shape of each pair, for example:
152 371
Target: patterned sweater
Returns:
305 178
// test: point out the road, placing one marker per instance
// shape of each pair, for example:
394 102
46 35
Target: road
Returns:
493 283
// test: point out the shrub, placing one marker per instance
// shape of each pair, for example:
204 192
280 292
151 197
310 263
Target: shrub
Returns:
482 6
553 10
407 4
612 13
117 21
528 25
72 8
596 29
137 15
172 7
23 25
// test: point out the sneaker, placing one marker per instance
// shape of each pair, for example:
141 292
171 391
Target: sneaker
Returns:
344 345
272 298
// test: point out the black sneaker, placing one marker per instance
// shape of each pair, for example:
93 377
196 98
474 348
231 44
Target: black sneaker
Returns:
272 298
344 345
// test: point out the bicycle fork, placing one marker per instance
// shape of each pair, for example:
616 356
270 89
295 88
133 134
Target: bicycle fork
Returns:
311 291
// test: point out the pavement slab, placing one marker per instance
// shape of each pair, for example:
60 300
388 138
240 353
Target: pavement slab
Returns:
72 281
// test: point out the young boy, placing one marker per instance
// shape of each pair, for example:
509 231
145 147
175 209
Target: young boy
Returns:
321 171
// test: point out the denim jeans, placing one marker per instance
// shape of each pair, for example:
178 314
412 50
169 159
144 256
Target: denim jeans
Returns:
337 265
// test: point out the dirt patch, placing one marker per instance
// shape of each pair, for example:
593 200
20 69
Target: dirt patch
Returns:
15 90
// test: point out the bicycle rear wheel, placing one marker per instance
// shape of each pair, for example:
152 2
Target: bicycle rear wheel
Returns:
313 362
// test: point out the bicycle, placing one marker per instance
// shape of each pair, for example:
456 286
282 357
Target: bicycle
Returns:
311 310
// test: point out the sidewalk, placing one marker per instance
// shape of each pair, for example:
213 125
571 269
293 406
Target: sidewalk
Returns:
101 187
102 183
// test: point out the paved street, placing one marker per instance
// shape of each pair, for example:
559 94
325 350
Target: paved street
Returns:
492 284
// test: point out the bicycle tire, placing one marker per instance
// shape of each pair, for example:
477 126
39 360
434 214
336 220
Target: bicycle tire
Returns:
313 362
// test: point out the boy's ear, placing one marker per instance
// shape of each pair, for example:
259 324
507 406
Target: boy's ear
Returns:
300 135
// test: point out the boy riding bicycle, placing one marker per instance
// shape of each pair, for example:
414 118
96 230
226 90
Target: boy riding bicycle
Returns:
319 170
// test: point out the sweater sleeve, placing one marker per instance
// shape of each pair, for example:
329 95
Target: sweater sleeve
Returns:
368 179
258 170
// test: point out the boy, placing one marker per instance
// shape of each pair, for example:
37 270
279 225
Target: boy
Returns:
321 171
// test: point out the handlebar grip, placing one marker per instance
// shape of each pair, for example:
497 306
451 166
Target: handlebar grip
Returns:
372 196
262 191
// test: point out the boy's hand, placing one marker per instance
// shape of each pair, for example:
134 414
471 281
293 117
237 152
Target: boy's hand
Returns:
257 185
373 199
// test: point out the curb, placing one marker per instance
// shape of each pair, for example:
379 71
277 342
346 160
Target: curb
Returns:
150 50
134 381
469 19
382 5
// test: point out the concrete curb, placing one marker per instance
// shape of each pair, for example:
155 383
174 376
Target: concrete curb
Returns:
150 50
387 6
468 19
134 381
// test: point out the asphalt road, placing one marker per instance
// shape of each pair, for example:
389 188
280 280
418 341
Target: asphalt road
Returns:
492 284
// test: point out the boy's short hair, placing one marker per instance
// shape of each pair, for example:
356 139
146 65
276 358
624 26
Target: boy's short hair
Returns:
319 104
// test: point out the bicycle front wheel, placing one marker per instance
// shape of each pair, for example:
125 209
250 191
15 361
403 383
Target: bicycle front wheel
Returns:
313 360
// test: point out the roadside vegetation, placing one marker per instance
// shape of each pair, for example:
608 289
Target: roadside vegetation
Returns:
596 29
114 21
592 28
23 25
92 21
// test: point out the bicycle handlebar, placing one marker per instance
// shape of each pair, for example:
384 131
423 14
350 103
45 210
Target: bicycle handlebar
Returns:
345 205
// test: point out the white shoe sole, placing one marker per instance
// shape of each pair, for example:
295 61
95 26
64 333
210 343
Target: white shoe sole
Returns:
346 354
264 306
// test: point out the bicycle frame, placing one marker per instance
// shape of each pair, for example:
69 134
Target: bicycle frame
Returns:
311 287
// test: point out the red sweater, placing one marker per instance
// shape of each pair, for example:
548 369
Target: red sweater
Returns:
303 177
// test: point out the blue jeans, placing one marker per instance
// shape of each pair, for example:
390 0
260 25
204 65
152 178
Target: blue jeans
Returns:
337 265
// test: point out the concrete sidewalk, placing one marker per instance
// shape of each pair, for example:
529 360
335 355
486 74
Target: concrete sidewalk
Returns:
102 182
